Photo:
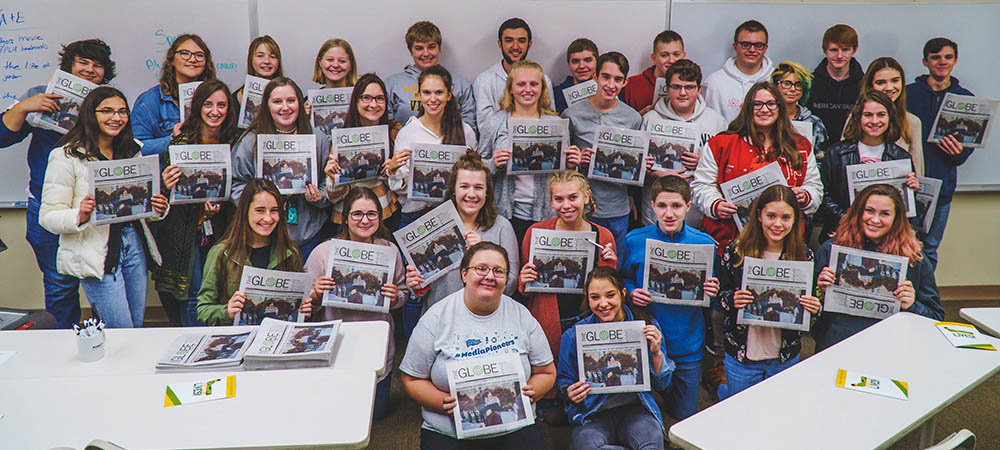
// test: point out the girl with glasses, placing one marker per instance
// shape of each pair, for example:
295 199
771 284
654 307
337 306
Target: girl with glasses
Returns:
794 81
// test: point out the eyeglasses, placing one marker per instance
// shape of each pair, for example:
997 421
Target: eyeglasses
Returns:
687 88
380 99
483 271
790 85
756 45
110 112
358 215
186 55
771 106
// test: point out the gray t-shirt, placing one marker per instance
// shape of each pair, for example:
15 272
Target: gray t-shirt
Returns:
448 331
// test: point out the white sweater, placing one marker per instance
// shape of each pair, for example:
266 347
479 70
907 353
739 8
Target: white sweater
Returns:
414 132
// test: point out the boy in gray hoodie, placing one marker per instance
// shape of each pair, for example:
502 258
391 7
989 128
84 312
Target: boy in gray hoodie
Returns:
726 87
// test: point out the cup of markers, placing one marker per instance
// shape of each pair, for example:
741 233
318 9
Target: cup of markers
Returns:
90 340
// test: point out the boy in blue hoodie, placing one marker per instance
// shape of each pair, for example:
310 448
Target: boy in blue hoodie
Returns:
683 326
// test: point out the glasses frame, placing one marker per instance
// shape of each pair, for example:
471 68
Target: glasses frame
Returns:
484 271
124 112
745 45
198 56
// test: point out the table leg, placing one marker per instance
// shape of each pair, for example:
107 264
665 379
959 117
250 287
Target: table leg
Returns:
927 433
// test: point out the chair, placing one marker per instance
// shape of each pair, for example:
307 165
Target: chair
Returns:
962 439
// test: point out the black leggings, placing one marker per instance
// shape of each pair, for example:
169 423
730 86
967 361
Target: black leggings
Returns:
527 438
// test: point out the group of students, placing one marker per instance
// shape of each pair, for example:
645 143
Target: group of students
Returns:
744 113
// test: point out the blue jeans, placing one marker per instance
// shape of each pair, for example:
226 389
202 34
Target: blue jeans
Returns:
183 311
741 375
120 298
618 226
62 292
382 389
629 426
681 398
306 248
933 239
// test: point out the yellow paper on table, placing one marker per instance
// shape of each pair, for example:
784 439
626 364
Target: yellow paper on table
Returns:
883 386
963 335
200 391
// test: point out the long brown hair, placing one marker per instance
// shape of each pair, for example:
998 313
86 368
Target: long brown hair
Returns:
168 75
853 132
353 118
544 104
352 75
192 126
472 162
264 123
362 193
613 276
783 134
271 45
752 242
236 240
452 131
81 141
900 240
867 84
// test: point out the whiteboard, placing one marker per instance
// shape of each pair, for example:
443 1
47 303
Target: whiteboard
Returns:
32 33
885 29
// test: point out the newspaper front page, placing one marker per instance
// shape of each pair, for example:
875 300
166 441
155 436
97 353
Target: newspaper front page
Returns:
537 145
73 90
123 189
206 351
287 160
619 155
360 151
925 202
185 92
205 173
864 282
434 243
668 140
272 294
613 357
329 108
430 167
805 129
579 92
967 118
660 89
278 340
893 173
743 190
253 93
675 273
776 286
359 270
488 391
562 259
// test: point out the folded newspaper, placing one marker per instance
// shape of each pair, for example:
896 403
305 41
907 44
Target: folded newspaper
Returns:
329 108
613 357
805 129
272 294
73 90
619 155
743 190
185 92
202 352
676 273
205 173
925 202
562 259
287 160
359 271
430 166
893 173
864 282
489 395
579 92
434 243
668 140
968 119
776 286
360 151
123 189
537 145
289 345
253 93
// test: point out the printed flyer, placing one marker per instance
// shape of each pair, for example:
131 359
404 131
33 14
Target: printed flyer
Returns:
272 294
613 357
359 270
675 273
562 259
200 391
123 189
864 282
776 286
619 155
205 173
489 395
963 335
884 386
434 243
287 160
537 145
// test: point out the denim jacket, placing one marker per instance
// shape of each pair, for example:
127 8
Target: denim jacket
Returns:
153 118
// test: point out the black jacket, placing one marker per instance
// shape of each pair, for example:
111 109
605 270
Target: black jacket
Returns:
836 198
831 100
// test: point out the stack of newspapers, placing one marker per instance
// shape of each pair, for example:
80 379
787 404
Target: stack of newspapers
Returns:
290 345
202 352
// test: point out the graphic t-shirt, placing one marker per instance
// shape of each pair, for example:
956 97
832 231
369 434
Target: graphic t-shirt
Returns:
870 153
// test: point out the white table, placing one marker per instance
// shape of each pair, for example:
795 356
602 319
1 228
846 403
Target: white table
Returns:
135 351
801 408
271 409
986 319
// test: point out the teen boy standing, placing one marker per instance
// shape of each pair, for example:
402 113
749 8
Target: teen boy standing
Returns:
668 48
514 40
726 87
581 56
836 80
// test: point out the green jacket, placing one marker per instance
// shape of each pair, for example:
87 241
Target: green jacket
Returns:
216 290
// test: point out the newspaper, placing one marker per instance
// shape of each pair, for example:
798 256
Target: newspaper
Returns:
776 286
272 293
537 145
562 259
490 399
893 173
967 118
329 108
73 89
660 89
741 191
359 270
613 357
123 189
205 173
619 155
925 202
280 344
669 139
430 166
288 160
253 93
805 128
360 151
434 243
579 92
864 282
675 273
210 351
185 91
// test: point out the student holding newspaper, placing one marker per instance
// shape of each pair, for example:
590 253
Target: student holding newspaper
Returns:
263 61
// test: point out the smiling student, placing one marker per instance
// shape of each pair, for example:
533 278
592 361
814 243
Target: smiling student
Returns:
836 80
335 65
263 60
886 75
795 82
581 57
514 40
726 87
668 48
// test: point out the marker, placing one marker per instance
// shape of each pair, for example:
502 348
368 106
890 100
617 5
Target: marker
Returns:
596 244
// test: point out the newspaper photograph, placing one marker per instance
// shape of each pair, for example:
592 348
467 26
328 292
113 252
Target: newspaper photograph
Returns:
537 145
329 108
675 273
562 259
776 286
668 140
73 89
925 202
613 357
360 151
967 118
123 189
287 160
805 129
660 89
619 155
579 92
205 174
488 391
185 92
743 190
272 294
253 93
864 282
434 243
893 173
359 270
278 339
430 166
194 350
